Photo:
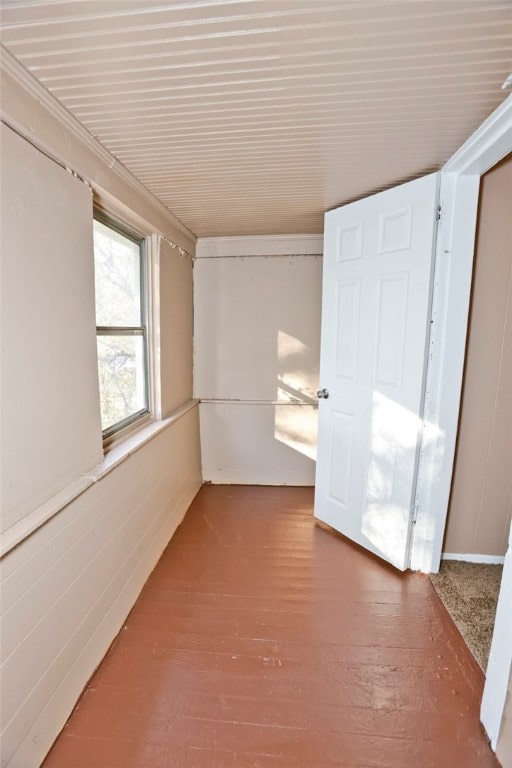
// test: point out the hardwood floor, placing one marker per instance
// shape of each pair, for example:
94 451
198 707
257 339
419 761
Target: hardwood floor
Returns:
264 640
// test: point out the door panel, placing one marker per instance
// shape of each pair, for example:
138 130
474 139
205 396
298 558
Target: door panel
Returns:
378 260
347 329
389 352
341 458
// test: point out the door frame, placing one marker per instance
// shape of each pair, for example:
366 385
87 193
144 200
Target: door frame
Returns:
460 182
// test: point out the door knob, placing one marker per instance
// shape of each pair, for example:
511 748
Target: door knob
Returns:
322 393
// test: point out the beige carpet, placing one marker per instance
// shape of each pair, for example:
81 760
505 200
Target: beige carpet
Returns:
470 593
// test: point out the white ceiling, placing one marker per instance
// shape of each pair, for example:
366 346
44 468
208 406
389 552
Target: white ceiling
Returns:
255 116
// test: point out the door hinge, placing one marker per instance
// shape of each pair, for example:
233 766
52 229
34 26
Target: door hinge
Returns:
414 511
438 215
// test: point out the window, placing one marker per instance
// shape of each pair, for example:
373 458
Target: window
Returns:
121 326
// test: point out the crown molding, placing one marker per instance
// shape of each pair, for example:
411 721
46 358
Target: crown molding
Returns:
259 245
10 66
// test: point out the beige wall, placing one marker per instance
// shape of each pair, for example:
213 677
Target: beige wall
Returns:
47 311
480 506
176 327
79 540
257 346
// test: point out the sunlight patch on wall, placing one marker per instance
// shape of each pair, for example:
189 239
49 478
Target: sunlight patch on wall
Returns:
296 426
296 421
297 377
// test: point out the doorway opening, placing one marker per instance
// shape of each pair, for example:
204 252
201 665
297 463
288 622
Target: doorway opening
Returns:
469 592
480 507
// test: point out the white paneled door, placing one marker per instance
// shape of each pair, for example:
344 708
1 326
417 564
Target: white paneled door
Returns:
378 266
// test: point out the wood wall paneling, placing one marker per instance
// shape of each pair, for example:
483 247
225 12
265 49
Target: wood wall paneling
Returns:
480 506
67 589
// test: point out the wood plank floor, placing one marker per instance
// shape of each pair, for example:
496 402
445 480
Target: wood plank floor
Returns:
264 640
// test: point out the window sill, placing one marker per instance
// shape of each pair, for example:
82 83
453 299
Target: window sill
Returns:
121 435
120 451
116 455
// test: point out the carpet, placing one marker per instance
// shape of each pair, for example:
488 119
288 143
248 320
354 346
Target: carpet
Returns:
469 592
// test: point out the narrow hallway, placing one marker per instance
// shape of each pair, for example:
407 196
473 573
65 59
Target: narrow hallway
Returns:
262 639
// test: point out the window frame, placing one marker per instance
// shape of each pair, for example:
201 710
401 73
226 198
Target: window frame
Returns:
129 424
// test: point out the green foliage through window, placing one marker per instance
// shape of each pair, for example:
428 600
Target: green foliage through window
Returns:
120 325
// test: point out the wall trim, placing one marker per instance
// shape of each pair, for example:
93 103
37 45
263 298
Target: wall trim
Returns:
259 245
474 558
308 401
24 79
44 512
445 366
487 145
251 477
499 667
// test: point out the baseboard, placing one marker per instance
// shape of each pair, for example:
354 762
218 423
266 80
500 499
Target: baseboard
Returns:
472 558
242 477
